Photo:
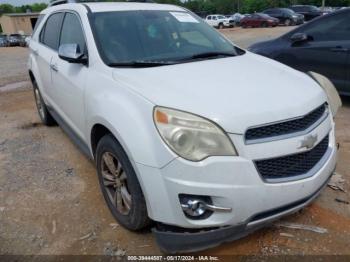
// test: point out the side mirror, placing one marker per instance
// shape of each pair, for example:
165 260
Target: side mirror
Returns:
299 37
72 54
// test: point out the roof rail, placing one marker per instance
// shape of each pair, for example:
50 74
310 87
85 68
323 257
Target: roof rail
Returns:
61 2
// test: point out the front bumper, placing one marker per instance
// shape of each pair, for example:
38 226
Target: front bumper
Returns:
231 182
174 242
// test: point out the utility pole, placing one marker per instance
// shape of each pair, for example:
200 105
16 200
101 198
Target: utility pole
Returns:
323 4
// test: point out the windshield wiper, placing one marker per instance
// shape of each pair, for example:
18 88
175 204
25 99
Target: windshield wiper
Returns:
209 55
141 64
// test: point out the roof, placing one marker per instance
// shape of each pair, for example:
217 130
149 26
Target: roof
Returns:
129 6
21 14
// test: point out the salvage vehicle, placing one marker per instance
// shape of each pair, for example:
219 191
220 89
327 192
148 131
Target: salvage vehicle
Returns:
219 21
322 46
202 161
14 39
259 20
3 41
308 11
286 16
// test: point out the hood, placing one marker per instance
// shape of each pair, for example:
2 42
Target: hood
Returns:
235 92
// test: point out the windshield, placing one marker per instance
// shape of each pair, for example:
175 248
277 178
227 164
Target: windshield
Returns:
314 8
264 15
155 36
289 11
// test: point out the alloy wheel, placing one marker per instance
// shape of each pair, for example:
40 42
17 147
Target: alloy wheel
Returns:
115 183
39 103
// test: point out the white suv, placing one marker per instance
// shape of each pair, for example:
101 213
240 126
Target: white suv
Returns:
219 21
147 91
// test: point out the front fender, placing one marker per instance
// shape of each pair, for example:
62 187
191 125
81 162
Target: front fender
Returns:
129 117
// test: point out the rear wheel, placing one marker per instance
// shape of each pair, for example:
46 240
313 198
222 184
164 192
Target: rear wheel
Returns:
44 114
119 185
264 24
287 22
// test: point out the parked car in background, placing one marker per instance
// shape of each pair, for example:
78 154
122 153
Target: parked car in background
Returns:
259 20
309 11
15 39
23 42
237 17
3 41
286 16
219 21
322 46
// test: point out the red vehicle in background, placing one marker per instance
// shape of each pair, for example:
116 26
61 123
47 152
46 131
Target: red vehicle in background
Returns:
259 20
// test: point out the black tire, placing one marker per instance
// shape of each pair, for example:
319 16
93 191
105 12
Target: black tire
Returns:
221 26
44 114
243 25
264 24
136 217
288 22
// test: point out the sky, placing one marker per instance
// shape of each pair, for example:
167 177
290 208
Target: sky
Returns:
22 2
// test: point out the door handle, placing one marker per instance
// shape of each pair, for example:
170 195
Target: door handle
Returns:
339 49
54 67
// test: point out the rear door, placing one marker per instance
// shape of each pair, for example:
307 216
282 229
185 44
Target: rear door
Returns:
44 50
69 79
327 51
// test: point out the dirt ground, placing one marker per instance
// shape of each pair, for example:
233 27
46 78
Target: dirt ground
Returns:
50 202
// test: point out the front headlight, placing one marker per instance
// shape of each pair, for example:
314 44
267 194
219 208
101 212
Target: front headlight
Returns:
192 137
334 100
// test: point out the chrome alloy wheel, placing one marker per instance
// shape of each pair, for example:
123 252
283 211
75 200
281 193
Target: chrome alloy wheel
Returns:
115 182
39 103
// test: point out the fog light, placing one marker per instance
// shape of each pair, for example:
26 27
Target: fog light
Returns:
194 207
199 207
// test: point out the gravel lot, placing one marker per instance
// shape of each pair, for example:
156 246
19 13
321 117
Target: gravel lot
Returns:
50 202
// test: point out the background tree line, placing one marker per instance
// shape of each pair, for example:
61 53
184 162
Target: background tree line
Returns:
204 6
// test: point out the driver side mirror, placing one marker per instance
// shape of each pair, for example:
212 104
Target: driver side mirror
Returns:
299 38
72 54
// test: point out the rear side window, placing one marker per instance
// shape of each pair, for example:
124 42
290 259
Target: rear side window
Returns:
72 32
330 28
50 34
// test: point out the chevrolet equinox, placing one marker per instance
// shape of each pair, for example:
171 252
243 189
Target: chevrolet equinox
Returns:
191 134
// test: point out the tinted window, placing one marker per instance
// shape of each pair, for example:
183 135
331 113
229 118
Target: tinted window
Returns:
72 33
51 32
331 28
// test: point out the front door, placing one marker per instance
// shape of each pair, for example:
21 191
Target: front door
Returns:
69 79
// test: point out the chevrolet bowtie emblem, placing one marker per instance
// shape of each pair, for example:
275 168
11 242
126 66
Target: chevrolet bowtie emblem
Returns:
308 142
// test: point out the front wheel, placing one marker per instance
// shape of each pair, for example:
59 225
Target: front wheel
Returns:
120 186
221 26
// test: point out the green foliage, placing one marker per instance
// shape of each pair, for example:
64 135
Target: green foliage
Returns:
7 8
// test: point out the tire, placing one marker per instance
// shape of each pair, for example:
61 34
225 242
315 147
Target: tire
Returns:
287 22
264 24
44 114
221 26
119 184
244 25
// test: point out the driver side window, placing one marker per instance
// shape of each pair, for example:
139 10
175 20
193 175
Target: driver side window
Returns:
72 32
